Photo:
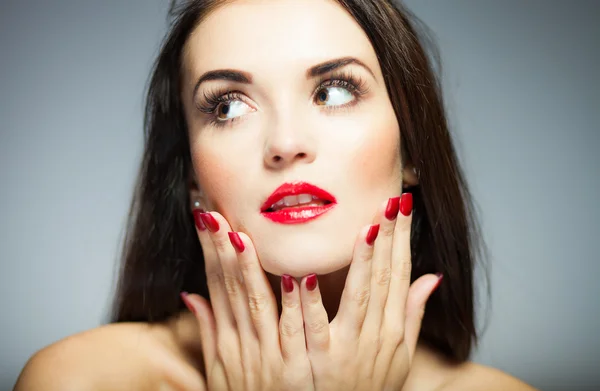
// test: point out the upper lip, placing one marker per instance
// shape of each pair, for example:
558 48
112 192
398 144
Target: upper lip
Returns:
296 188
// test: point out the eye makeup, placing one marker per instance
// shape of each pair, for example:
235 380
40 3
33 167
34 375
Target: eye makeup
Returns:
217 102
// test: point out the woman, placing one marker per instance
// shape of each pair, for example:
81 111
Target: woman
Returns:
298 172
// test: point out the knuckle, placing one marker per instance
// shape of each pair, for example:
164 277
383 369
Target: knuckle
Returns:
289 329
246 265
221 244
314 300
233 285
214 279
290 304
383 276
387 228
405 269
366 255
257 303
362 296
396 336
317 326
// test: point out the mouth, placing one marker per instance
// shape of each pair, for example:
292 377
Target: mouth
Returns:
299 202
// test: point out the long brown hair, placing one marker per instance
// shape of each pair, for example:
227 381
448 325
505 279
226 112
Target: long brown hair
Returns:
162 254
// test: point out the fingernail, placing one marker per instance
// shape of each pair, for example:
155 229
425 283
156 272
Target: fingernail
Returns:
440 277
210 222
199 224
184 297
236 241
406 204
288 284
392 208
311 282
372 234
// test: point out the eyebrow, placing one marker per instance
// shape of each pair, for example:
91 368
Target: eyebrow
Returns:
246 78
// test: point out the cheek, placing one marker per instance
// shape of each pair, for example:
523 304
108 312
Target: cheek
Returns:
378 160
217 175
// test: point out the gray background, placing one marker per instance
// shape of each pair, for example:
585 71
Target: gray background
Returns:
523 97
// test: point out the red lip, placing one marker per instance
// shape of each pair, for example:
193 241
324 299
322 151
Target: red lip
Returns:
297 214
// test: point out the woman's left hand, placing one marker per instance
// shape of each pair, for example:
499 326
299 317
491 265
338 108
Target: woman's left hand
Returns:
371 342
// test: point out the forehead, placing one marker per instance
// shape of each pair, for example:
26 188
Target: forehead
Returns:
266 36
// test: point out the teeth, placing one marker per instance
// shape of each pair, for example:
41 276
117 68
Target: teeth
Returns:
290 200
304 198
294 200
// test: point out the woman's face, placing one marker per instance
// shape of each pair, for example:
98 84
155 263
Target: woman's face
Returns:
290 120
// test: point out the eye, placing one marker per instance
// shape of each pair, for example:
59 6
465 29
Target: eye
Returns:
334 96
231 109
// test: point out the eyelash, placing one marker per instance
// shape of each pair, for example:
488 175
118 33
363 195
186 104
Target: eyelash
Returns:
354 84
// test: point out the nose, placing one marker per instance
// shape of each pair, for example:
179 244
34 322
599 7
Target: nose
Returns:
288 145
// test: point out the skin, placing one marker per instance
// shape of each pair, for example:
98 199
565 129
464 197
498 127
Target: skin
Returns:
281 135
284 135
282 131
289 126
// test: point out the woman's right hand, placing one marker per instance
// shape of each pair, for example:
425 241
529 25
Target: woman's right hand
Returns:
246 346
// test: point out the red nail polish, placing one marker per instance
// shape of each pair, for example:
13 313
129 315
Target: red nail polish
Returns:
406 204
288 284
439 281
311 282
236 241
199 224
184 297
211 223
372 234
392 208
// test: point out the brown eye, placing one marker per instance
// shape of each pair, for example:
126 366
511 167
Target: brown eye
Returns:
322 97
232 109
223 109
334 96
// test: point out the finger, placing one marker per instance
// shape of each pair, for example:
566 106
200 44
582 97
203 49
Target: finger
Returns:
393 328
226 338
381 267
419 293
291 323
203 235
200 307
260 298
316 322
355 296
401 270
229 247
214 274
223 240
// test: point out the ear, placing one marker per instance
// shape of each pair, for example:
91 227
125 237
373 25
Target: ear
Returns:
196 194
410 176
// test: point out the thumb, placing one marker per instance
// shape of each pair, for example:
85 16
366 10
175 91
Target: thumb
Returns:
418 294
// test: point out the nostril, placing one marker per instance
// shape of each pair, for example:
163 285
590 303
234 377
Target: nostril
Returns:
276 158
302 155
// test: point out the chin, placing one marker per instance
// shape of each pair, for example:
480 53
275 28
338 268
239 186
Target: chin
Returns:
299 258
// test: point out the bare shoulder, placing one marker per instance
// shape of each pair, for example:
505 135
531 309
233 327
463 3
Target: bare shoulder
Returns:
122 356
472 376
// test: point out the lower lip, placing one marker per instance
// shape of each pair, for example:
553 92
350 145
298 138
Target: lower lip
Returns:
298 215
